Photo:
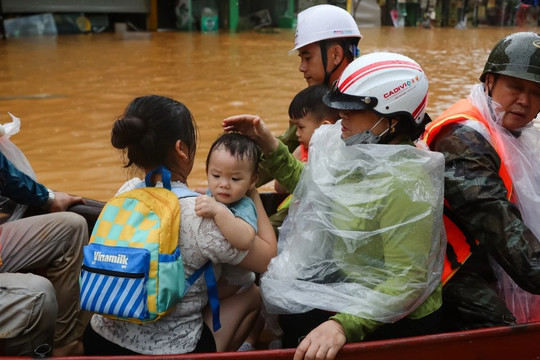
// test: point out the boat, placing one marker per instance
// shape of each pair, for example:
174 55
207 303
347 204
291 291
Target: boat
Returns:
511 342
517 342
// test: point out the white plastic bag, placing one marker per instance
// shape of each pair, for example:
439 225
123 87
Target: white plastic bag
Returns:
10 210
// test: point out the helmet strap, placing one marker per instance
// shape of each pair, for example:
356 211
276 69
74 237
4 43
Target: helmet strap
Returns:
324 57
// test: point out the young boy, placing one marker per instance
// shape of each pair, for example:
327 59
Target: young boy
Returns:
307 111
232 168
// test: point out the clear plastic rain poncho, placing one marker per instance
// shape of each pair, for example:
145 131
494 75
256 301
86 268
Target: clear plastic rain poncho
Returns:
364 234
521 156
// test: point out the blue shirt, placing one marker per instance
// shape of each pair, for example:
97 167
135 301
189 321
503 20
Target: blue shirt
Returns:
244 209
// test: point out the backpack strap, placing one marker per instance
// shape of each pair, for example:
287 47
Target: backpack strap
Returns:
209 276
211 285
180 191
165 177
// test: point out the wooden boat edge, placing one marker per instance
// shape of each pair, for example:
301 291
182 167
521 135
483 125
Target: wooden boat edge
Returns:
514 342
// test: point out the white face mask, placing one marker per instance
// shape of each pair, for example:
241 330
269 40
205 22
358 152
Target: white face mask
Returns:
365 137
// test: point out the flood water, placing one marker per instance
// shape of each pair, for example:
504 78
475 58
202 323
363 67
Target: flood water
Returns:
68 90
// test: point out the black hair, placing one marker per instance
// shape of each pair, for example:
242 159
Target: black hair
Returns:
150 127
346 44
405 125
310 100
238 145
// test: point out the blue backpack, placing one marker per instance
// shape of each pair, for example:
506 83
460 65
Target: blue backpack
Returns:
132 267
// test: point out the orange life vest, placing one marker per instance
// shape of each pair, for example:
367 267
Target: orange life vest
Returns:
460 246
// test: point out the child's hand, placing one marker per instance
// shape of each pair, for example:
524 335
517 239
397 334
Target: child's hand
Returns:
206 206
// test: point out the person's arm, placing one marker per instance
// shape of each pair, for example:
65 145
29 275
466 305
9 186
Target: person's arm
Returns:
290 139
277 159
264 247
237 231
265 229
22 189
277 186
478 197
285 167
322 343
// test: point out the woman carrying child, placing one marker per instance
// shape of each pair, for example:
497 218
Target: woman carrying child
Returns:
154 131
363 243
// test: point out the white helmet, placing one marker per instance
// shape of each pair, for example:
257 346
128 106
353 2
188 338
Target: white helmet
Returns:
389 84
322 22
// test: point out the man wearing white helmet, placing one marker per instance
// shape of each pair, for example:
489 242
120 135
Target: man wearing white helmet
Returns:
363 244
326 39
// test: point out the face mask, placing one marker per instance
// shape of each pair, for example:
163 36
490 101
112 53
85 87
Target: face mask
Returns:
365 137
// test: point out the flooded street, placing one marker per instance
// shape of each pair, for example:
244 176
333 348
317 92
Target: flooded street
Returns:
68 90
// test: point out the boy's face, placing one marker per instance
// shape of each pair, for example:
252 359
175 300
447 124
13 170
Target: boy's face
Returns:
229 178
305 127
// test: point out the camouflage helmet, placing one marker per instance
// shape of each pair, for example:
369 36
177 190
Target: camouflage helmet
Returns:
516 55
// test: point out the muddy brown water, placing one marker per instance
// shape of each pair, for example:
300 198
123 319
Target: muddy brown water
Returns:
68 90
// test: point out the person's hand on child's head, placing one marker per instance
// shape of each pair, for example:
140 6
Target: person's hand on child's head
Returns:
255 128
206 206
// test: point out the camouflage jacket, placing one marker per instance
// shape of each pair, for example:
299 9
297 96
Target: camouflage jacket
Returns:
478 197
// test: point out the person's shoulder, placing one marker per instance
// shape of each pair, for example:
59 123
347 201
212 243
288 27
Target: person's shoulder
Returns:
462 137
188 202
242 206
129 185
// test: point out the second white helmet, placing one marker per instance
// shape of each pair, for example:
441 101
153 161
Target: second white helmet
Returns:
323 22
389 84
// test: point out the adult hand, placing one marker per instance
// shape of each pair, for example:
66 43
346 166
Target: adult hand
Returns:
255 128
322 343
63 201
